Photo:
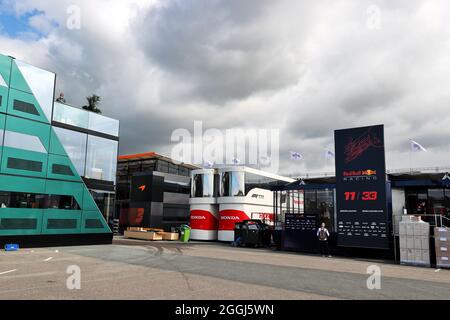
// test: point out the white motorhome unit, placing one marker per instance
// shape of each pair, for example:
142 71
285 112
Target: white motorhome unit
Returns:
204 210
223 196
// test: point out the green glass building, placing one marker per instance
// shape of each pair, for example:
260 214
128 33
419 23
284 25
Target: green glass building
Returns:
55 160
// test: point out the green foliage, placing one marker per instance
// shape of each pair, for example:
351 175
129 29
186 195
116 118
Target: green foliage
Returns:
92 105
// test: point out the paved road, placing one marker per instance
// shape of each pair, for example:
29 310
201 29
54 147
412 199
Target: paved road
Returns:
131 269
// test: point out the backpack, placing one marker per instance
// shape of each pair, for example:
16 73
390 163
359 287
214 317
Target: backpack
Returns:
323 234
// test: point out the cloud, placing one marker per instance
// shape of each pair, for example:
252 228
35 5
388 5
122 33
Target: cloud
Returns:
305 68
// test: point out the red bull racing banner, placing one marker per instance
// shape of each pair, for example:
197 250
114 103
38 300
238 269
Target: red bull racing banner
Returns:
362 217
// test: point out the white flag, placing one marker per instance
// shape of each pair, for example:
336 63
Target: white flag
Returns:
265 160
208 164
415 146
296 155
329 154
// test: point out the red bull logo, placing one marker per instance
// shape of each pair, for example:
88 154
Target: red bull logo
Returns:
369 172
357 175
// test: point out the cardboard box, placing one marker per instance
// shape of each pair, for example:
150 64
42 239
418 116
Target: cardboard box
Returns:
443 262
172 236
409 255
417 229
418 242
445 232
143 235
403 255
402 241
402 228
426 256
410 242
417 255
409 229
441 244
425 243
410 218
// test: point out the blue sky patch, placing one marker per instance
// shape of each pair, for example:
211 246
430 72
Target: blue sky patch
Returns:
15 26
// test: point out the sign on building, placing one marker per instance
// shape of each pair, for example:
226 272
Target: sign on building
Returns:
362 217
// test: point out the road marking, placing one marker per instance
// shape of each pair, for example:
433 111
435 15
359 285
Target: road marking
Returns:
437 270
48 259
9 271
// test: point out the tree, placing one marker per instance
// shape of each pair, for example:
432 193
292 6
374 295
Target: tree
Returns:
92 105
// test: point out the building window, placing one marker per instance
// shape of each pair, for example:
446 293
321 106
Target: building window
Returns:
74 144
62 169
18 223
93 224
23 141
105 203
148 165
22 164
101 159
173 168
25 107
41 83
225 184
162 166
310 202
62 202
183 171
21 200
37 201
61 223
325 207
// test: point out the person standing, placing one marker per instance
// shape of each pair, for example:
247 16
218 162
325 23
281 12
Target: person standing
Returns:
323 235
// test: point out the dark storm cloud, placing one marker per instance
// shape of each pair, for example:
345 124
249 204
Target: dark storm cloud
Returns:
221 49
303 67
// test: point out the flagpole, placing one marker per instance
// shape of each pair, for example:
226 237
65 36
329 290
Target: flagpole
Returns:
410 156
410 160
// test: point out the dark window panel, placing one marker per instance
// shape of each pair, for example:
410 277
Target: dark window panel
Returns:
25 107
62 169
17 223
61 223
22 164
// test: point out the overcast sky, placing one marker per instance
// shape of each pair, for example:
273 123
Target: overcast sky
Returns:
303 67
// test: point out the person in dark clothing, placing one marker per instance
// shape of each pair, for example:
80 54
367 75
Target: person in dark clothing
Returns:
323 235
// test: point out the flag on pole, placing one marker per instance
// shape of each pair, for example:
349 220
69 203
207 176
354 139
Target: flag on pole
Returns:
415 146
296 155
208 164
329 154
265 160
236 161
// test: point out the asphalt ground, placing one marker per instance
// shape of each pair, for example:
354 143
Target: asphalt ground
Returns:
133 269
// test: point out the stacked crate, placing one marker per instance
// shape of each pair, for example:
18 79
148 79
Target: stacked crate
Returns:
414 241
442 244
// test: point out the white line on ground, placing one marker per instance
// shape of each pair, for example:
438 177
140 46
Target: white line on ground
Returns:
9 271
48 259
